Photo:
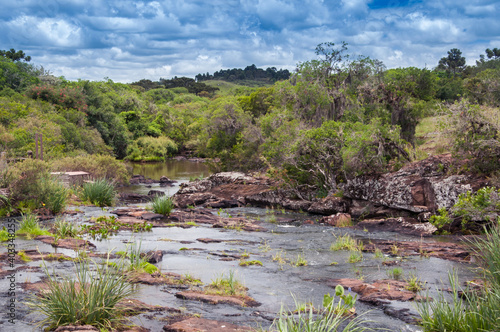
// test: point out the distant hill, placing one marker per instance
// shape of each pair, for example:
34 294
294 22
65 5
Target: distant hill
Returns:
250 73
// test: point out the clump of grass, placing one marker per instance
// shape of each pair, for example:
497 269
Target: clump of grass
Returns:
379 254
252 262
53 194
346 242
90 297
4 235
226 285
355 257
137 261
395 273
306 318
414 284
23 256
30 227
64 229
299 261
163 205
100 192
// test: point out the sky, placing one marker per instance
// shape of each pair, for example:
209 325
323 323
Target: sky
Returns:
127 40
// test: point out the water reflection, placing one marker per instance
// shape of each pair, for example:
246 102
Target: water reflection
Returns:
173 169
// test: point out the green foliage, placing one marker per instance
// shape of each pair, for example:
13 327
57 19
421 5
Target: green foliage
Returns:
395 273
100 192
53 194
90 297
476 135
137 261
30 227
63 97
151 149
346 242
441 219
163 205
482 205
355 257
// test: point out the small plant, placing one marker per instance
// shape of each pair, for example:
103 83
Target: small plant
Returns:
414 284
379 254
65 229
265 247
395 273
346 303
299 261
163 205
355 257
100 192
53 194
137 261
346 242
226 285
23 256
29 226
280 258
395 250
4 235
87 298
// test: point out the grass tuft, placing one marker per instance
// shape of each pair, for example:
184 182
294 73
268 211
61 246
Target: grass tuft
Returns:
100 192
163 205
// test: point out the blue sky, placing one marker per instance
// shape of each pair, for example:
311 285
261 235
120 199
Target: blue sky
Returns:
130 40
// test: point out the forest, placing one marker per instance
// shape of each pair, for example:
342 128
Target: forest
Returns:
335 117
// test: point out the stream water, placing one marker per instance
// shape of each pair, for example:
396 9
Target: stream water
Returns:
273 284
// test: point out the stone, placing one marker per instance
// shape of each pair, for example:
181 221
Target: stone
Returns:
329 205
195 324
403 225
337 220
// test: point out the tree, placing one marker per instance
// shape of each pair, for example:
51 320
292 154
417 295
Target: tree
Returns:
15 56
453 63
494 53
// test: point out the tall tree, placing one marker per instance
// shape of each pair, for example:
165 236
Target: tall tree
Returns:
494 53
454 63
15 56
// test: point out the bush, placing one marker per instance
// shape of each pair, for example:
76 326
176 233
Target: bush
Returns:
151 149
53 194
29 226
163 205
100 192
90 298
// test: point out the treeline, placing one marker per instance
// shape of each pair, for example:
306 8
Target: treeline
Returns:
250 73
332 119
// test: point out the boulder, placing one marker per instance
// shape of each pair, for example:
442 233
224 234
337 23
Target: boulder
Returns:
329 205
195 324
337 220
403 225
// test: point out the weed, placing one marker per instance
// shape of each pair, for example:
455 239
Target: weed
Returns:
395 273
414 284
395 250
299 261
355 257
379 254
226 285
346 242
23 256
65 229
265 247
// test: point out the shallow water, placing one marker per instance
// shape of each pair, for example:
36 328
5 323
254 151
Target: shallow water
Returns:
273 284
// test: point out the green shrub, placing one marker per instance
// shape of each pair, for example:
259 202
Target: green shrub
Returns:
100 192
482 205
441 219
53 194
163 205
151 149
91 297
26 175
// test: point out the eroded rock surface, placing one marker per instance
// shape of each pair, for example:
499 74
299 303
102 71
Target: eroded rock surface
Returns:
195 324
243 301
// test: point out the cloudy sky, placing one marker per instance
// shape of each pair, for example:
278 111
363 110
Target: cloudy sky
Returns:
129 40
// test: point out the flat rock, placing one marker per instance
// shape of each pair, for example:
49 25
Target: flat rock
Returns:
330 205
403 225
68 243
195 324
242 301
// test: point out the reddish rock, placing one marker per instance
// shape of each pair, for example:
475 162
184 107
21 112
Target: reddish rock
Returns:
337 220
330 205
134 307
379 291
207 240
68 243
199 324
243 301
403 225
77 328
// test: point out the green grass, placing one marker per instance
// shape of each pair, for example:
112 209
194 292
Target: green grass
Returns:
137 261
299 261
226 285
87 297
30 228
395 273
163 205
430 137
100 192
65 229
53 194
355 257
248 263
304 318
346 242
414 284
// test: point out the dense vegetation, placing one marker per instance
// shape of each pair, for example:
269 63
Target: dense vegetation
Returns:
250 73
334 118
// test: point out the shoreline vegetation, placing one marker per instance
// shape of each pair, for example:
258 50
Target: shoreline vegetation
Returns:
334 121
